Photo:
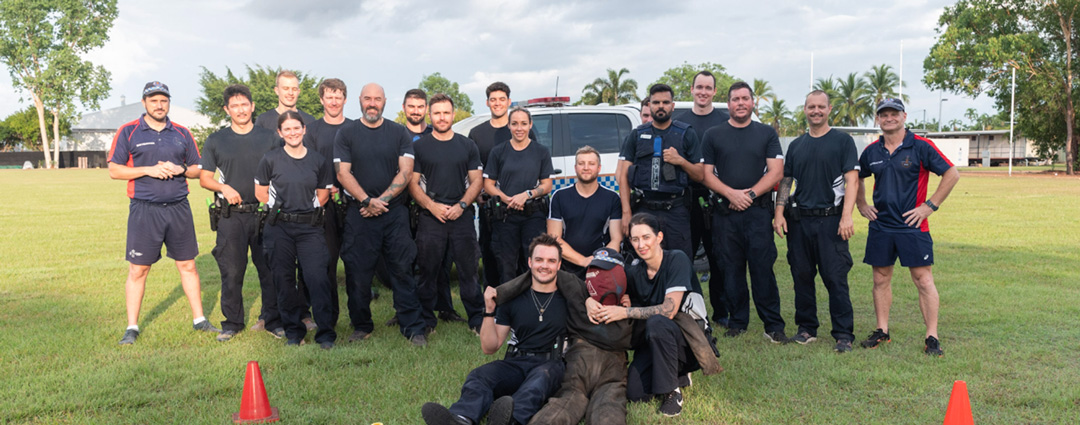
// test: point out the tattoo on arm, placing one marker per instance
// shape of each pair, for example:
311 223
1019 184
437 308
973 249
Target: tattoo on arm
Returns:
664 309
396 187
784 192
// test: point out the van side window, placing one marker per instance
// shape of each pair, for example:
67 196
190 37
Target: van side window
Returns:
605 132
543 128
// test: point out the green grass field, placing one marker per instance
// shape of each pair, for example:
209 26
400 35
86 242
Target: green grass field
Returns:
1007 272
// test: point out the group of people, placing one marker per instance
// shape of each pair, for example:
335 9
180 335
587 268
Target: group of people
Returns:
399 201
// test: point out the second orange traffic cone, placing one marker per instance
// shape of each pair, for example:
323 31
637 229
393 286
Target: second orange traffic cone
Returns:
255 405
959 410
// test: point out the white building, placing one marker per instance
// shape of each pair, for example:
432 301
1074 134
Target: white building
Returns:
95 130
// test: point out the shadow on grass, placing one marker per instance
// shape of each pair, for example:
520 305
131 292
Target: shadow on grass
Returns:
208 297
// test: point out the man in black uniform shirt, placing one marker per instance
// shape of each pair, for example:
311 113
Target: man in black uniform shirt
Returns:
736 153
825 165
374 159
657 162
287 88
533 368
701 118
446 181
487 135
234 153
320 137
585 216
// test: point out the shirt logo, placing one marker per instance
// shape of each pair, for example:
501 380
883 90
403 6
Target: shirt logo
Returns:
907 161
134 253
875 163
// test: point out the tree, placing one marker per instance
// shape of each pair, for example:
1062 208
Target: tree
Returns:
681 80
763 93
261 80
881 83
853 105
614 90
436 83
459 115
981 41
41 42
21 130
777 115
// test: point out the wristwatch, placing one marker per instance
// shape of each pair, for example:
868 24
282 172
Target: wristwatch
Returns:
486 314
753 195
463 205
365 202
184 166
931 205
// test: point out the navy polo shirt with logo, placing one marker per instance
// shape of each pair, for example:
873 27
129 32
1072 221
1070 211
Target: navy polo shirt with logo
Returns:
138 145
900 179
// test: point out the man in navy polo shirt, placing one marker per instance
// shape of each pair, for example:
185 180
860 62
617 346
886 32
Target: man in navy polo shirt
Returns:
901 162
155 156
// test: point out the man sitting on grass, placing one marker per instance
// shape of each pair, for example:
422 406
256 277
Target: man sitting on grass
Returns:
533 367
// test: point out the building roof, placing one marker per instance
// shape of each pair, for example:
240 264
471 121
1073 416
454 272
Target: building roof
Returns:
968 133
111 119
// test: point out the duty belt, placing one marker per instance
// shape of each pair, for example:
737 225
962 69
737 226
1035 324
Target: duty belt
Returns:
661 201
820 212
296 218
244 208
531 206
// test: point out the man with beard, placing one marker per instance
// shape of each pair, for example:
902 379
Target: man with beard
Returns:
287 88
377 221
825 165
743 161
657 162
156 156
584 216
320 137
234 153
701 118
533 368
446 181
487 135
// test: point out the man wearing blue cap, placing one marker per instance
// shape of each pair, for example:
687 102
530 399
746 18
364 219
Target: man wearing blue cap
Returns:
155 156
900 162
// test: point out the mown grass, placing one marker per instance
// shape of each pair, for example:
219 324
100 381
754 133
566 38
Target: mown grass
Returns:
1007 272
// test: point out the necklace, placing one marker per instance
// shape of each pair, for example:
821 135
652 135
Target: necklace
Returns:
541 307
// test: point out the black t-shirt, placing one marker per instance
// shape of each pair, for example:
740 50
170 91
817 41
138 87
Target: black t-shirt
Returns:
416 136
268 119
444 166
373 154
739 154
585 220
701 124
818 166
320 136
516 171
487 137
522 314
237 156
675 275
293 181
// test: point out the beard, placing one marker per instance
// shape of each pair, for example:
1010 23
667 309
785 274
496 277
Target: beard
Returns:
414 121
586 180
542 281
661 116
372 118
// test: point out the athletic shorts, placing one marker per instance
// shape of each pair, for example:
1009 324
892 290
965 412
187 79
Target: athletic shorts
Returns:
915 249
151 224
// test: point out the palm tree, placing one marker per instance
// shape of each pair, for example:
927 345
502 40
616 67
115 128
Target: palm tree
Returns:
613 91
828 85
763 93
881 82
775 114
853 101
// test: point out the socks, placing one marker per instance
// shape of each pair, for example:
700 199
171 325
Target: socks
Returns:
133 328
198 320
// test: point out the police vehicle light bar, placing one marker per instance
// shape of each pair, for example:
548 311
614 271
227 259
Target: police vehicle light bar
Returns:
548 101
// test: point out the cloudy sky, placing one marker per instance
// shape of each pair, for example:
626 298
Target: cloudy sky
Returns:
525 43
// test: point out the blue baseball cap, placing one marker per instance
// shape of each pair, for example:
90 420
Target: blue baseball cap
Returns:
155 87
606 258
890 103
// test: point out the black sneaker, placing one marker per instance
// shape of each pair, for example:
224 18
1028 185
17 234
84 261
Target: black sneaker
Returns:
205 326
326 345
437 414
777 337
734 332
278 333
672 404
933 347
130 335
451 316
879 336
803 338
419 340
296 342
501 411
359 336
225 336
842 346
393 321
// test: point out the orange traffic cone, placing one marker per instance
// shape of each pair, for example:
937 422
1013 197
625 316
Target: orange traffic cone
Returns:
959 410
254 405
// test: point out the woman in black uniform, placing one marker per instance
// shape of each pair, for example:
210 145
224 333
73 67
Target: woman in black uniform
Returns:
295 182
518 174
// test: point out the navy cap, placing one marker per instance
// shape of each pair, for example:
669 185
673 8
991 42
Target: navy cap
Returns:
155 87
890 103
606 258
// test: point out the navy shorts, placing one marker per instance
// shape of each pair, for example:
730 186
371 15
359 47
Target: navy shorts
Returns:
915 249
151 224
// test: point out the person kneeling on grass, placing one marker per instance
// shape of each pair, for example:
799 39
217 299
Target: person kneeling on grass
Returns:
671 337
533 367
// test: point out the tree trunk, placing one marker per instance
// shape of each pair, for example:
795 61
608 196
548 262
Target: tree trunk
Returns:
56 136
40 106
1070 111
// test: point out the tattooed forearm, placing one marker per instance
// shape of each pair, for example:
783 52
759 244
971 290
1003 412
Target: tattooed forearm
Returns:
784 192
396 187
664 309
